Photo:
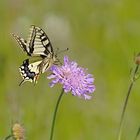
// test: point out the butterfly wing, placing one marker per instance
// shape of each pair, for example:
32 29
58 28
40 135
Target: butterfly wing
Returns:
22 43
38 42
30 71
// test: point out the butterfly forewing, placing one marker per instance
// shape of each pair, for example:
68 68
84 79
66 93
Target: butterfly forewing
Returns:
22 43
38 42
31 38
45 40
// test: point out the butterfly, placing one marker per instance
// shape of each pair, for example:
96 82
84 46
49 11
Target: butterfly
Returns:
38 46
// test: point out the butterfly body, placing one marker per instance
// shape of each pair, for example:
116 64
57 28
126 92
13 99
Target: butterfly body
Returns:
47 62
37 45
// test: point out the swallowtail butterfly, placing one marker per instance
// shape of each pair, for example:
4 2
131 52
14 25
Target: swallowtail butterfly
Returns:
38 45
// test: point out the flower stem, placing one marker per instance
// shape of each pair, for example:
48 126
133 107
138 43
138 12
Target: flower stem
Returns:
126 101
138 132
55 112
8 137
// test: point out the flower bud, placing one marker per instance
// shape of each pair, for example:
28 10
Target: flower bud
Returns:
137 59
18 132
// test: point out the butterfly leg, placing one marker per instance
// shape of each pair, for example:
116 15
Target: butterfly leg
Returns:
57 62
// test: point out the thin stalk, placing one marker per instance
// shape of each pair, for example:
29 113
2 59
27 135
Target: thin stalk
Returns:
8 137
55 113
138 132
126 102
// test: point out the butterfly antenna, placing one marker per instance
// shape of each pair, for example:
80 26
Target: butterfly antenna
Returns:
61 51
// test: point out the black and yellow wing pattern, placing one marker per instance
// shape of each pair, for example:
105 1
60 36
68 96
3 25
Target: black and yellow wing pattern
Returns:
37 45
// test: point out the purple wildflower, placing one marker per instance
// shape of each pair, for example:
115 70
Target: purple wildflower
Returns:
73 78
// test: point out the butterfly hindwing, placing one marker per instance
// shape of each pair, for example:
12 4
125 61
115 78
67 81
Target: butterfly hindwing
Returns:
29 71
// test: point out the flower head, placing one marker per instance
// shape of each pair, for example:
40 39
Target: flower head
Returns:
73 78
18 132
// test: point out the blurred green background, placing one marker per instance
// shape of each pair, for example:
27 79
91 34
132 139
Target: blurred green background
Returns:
103 36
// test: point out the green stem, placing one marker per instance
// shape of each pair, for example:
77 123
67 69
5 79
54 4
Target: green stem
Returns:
126 102
8 137
138 132
55 113
124 108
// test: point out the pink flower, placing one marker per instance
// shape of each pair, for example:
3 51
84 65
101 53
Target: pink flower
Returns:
74 79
